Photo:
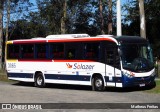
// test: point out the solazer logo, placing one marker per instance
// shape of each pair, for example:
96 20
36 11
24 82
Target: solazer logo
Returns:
80 66
68 65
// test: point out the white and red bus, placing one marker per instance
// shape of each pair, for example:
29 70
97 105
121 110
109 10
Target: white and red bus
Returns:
79 59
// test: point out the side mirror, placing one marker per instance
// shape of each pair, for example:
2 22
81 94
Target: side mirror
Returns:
155 59
120 52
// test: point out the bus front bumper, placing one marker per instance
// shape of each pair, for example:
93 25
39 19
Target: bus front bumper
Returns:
138 81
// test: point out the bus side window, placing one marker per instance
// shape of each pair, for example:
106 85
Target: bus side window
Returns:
117 59
57 50
27 51
92 51
12 51
71 50
110 57
71 54
113 58
41 51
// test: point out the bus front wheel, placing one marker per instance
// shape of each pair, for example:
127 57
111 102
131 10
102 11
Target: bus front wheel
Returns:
39 80
98 83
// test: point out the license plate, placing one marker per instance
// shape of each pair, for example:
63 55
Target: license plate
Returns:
142 85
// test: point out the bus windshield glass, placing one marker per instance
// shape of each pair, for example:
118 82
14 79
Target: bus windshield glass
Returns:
137 57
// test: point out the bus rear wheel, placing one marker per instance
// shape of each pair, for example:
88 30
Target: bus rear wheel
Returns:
98 83
39 80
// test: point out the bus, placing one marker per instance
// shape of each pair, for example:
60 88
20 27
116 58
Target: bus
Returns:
100 61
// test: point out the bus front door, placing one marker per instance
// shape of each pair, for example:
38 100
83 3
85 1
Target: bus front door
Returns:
112 68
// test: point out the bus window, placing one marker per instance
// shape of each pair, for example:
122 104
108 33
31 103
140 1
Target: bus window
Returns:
12 51
57 51
27 51
92 51
41 51
112 57
71 50
71 54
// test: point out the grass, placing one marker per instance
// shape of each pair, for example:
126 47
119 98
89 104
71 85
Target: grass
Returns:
156 89
3 76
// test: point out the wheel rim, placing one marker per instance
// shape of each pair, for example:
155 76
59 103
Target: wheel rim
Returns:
98 83
39 80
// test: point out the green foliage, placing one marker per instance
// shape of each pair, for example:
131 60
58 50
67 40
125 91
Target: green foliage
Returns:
156 89
21 30
132 21
17 7
82 17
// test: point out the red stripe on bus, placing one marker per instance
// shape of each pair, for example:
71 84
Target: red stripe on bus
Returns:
29 41
29 60
37 60
62 40
82 40
73 61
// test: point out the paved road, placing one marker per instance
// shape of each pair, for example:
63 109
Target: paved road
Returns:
26 93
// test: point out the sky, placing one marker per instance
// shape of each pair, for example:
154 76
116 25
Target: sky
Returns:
34 3
34 8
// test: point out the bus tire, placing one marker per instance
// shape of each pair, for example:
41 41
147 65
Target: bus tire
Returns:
39 80
98 83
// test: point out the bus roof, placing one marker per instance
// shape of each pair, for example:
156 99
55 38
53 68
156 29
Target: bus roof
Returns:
87 38
65 38
130 39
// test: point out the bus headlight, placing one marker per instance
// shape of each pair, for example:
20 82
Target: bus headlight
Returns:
129 74
153 74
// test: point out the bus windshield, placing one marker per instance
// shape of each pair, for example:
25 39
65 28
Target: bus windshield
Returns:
137 57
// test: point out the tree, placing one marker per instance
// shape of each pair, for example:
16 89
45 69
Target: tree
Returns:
63 19
110 17
81 18
138 6
151 8
101 16
24 29
142 19
16 8
152 14
1 31
8 18
51 13
64 16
